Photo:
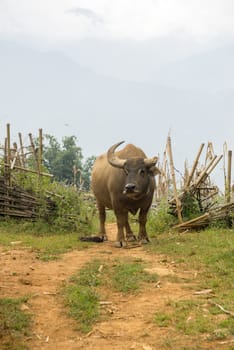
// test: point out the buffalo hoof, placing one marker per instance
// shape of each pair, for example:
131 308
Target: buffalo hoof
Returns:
120 244
145 241
131 238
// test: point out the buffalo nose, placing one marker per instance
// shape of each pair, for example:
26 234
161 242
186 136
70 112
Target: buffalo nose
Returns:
130 187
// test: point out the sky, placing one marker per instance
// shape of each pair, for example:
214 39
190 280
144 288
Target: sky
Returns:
56 22
105 35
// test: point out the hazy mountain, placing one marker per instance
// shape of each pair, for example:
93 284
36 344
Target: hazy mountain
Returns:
210 71
48 90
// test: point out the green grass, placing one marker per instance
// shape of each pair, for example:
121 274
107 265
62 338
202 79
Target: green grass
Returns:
159 219
128 276
81 297
89 275
83 306
209 253
47 246
83 294
193 318
14 324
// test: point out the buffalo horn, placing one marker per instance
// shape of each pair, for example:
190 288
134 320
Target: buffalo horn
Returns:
113 159
150 161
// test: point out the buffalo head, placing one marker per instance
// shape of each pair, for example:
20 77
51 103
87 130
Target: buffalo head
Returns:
138 172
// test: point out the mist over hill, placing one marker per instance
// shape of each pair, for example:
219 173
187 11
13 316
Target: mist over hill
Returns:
192 98
211 71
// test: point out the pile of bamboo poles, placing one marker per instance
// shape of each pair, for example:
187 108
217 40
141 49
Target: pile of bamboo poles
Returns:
197 185
221 212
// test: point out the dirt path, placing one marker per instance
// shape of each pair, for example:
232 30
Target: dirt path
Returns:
129 323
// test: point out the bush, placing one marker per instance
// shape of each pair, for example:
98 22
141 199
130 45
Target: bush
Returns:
159 219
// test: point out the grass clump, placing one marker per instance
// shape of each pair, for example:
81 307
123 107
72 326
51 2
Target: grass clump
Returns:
81 297
128 276
14 323
83 303
89 275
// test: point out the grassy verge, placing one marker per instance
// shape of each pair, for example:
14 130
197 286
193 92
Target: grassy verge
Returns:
14 324
47 246
210 254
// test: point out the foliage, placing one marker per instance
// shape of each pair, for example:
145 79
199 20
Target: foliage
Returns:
63 161
159 219
86 173
62 208
14 323
190 207
75 210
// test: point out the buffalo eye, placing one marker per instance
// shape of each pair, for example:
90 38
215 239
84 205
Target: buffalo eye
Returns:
142 172
126 171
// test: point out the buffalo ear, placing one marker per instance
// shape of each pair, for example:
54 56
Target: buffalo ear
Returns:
153 171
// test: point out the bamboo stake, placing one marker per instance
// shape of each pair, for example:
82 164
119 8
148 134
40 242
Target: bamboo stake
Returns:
8 154
34 152
29 170
16 155
194 165
186 172
204 173
40 150
214 164
203 219
209 152
178 202
21 149
229 172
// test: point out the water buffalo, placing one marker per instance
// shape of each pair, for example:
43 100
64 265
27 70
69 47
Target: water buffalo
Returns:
124 181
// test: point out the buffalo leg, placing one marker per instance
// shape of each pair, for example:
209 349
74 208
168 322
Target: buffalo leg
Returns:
102 220
143 236
122 219
129 234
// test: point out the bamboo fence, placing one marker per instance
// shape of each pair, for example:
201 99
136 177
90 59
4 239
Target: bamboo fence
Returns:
14 200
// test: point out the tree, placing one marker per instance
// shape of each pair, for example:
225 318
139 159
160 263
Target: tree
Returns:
64 162
86 174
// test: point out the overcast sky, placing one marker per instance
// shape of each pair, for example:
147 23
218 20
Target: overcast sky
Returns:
54 22
125 39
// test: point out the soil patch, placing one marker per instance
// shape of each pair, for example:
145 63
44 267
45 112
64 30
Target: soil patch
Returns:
129 319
